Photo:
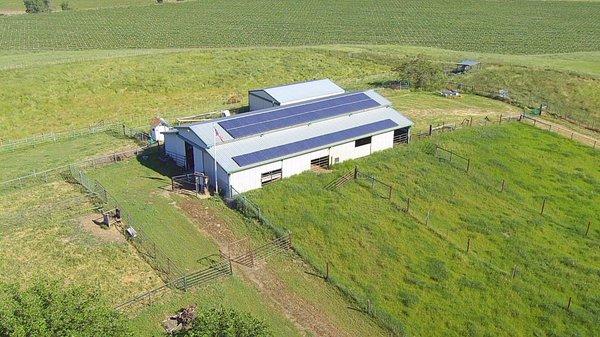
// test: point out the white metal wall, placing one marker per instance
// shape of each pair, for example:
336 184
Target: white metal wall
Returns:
208 167
175 145
250 179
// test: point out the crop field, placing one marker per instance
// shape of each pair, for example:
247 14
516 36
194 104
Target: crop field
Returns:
419 274
43 236
516 27
17 5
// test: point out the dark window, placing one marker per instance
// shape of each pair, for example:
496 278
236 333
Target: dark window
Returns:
362 141
401 136
320 162
270 176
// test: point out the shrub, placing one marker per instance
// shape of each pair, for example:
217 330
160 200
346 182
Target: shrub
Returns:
50 309
37 6
65 6
421 73
226 323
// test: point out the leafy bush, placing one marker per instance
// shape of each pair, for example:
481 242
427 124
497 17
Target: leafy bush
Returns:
65 6
226 323
37 6
50 309
421 72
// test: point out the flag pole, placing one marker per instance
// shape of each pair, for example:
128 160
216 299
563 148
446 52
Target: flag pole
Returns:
215 158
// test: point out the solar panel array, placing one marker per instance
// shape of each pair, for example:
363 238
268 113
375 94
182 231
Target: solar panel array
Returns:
258 123
311 143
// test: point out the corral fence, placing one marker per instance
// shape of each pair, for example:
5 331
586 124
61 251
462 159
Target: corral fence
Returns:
138 238
453 158
195 182
38 177
587 140
466 122
11 145
216 270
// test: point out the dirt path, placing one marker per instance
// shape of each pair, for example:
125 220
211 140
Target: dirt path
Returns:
563 131
306 317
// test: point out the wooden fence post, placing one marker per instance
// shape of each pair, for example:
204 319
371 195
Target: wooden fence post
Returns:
468 244
407 205
468 164
500 121
471 121
430 129
503 184
327 272
514 271
569 304
543 206
390 194
355 172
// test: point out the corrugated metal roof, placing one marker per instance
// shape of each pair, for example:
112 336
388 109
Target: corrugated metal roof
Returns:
203 134
226 151
300 92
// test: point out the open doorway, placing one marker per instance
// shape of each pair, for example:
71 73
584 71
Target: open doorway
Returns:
189 157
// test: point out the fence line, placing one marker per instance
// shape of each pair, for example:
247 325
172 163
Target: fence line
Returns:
594 143
445 154
218 269
50 174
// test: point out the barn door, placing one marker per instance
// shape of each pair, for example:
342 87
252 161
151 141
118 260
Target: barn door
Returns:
189 157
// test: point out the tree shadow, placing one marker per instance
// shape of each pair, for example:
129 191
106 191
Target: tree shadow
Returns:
391 84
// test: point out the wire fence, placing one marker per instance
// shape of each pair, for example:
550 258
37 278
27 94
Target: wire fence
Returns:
587 140
56 172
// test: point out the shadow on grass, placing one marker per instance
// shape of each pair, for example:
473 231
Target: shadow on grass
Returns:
392 84
155 160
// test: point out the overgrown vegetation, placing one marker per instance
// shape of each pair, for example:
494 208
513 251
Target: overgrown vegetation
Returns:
558 26
226 322
50 309
407 268
37 6
421 73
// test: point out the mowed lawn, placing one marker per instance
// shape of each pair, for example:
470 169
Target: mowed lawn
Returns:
140 186
421 276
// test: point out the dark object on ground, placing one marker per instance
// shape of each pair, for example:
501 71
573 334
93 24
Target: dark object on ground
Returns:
182 321
450 93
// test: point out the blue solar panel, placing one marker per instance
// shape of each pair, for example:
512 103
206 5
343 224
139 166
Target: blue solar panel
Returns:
310 143
288 116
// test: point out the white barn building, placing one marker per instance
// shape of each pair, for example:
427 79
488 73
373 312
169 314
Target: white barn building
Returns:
292 94
258 147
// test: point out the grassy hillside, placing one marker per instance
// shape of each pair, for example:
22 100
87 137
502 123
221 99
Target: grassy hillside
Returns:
81 88
472 25
421 275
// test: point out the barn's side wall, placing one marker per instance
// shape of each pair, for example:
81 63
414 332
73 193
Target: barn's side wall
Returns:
175 148
250 179
260 100
208 167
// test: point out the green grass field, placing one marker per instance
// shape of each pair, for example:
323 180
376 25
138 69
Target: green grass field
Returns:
82 88
141 191
535 28
422 275
41 157
42 237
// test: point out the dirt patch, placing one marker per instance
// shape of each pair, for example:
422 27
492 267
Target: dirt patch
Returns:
11 12
305 316
89 225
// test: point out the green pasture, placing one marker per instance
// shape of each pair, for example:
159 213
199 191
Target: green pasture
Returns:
420 277
553 27
42 236
86 87
41 157
18 6
141 187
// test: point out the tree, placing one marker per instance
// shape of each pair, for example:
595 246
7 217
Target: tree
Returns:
65 6
226 323
421 72
50 309
37 6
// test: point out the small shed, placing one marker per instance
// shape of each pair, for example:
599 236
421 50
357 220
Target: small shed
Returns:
466 65
292 94
159 126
